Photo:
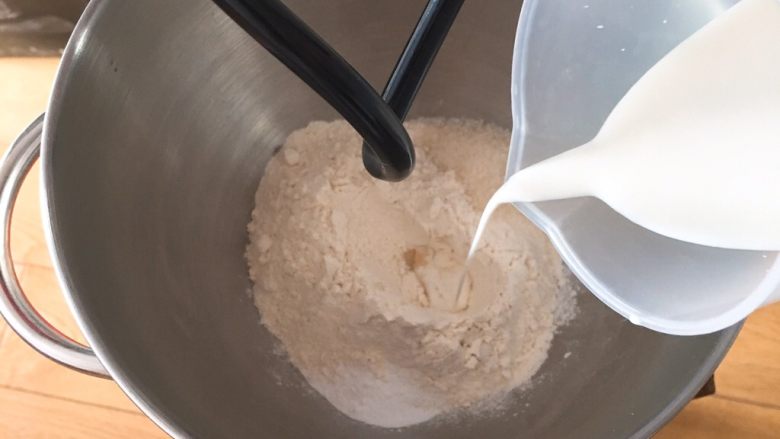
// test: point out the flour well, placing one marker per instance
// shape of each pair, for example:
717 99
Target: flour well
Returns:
358 277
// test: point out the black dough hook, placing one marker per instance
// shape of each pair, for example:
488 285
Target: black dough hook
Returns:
388 153
418 55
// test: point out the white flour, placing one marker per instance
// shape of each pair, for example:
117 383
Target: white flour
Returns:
358 277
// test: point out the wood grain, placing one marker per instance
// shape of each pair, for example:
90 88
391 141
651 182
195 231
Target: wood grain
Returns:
23 368
26 415
715 417
24 91
751 371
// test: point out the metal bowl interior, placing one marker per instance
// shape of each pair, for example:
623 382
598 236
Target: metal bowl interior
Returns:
162 119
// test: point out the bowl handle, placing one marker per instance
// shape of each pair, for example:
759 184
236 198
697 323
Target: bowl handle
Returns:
14 306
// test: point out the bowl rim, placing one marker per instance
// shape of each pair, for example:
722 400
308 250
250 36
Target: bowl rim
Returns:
70 56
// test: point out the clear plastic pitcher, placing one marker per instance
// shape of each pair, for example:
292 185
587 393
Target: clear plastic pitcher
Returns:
561 95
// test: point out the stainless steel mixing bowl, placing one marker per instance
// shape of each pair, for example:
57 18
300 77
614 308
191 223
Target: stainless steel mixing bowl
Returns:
162 119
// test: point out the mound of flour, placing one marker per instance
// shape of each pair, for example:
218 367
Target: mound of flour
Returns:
357 277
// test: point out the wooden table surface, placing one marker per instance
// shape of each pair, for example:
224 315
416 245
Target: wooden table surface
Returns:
43 400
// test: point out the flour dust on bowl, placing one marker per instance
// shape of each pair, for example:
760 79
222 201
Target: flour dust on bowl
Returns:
155 142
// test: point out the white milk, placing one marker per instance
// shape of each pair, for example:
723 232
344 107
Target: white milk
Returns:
693 149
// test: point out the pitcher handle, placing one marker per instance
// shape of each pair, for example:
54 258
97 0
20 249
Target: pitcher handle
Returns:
14 305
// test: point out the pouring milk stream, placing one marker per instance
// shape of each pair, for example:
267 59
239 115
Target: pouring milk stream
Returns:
692 151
